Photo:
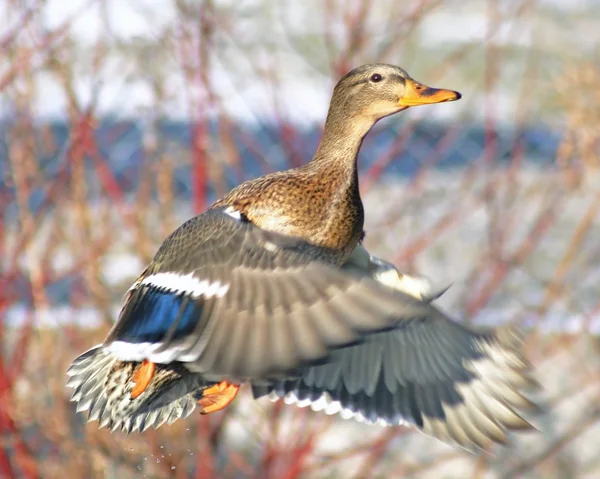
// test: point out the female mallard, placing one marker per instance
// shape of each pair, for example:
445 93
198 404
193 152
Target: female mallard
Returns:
270 286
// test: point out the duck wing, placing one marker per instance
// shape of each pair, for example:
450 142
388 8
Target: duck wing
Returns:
232 301
458 384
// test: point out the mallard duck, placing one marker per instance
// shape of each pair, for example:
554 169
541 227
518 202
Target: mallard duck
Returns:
271 286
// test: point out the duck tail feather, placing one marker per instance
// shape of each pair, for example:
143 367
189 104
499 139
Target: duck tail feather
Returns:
102 386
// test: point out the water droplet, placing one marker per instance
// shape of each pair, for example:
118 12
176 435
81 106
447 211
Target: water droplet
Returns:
191 453
157 460
162 447
173 468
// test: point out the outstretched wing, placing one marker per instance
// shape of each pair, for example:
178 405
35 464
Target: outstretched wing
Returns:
233 301
449 381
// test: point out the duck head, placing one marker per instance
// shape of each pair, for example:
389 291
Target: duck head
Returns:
378 90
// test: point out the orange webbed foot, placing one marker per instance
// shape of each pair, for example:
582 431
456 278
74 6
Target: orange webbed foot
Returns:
218 397
142 378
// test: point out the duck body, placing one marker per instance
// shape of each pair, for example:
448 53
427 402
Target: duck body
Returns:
270 286
308 202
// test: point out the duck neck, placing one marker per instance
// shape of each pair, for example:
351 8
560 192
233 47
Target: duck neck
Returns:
342 138
334 165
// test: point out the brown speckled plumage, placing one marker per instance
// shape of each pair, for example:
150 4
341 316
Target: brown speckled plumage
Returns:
310 202
173 394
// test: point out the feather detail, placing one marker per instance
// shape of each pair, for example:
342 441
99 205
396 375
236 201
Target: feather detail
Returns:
219 286
102 386
162 308
452 383
186 284
386 274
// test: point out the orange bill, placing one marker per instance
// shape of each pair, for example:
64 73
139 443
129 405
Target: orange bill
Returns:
418 94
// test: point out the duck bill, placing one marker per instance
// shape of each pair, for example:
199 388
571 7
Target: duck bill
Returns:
418 94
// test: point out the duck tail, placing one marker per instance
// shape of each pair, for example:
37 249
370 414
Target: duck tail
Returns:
102 386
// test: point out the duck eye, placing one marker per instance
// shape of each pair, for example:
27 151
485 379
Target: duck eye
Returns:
376 78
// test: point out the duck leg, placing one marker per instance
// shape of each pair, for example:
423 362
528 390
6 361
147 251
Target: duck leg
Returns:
142 378
218 397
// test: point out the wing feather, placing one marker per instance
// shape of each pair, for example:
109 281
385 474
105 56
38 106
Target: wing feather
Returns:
457 384
219 286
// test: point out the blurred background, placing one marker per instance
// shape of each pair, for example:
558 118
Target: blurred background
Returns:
121 119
